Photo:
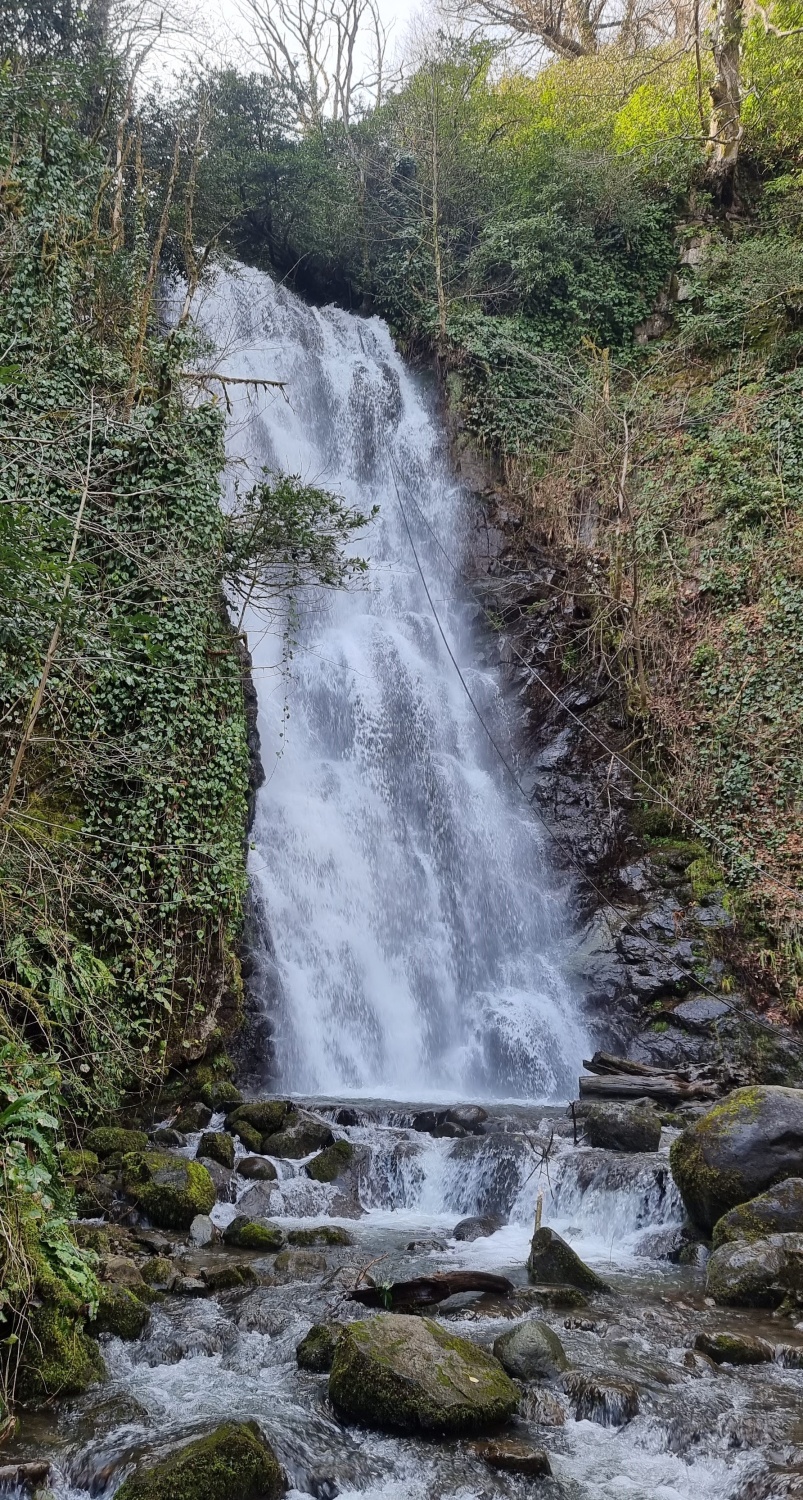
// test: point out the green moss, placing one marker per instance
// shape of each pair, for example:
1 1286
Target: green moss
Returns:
170 1189
158 1271
224 1278
249 1135
75 1164
317 1348
706 877
119 1312
250 1234
265 1116
221 1094
331 1163
320 1234
112 1140
58 1359
218 1146
233 1463
708 1191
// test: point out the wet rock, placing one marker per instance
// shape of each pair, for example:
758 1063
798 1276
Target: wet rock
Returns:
222 1177
233 1463
700 1013
218 1146
470 1117
220 1093
203 1232
190 1286
170 1189
351 1117
249 1136
320 1234
121 1270
542 1406
317 1348
331 1163
257 1202
167 1135
252 1234
758 1273
300 1265
531 1352
257 1169
622 1127
557 1295
119 1312
160 1273
552 1261
734 1348
779 1211
192 1117
113 1140
408 1374
476 1228
744 1145
300 1138
425 1247
224 1278
25 1475
513 1456
606 1399
266 1116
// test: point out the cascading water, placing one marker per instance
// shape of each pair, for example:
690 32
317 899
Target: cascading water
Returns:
416 931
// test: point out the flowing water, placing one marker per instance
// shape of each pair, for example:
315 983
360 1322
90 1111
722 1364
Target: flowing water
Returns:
413 949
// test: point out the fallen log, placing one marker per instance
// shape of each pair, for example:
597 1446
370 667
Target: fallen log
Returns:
664 1089
606 1062
426 1291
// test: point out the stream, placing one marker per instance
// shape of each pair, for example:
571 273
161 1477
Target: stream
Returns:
413 949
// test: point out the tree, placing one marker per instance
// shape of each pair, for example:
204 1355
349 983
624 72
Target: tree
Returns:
313 49
575 28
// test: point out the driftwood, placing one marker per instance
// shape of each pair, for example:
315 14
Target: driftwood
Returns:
605 1062
425 1291
665 1088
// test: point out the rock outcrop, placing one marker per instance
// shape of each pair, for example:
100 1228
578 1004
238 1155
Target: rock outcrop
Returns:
741 1147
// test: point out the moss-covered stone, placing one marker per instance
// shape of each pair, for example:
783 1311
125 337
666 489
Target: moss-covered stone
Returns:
192 1116
778 1211
266 1116
249 1135
224 1278
77 1164
757 1273
170 1189
220 1094
404 1374
734 1348
298 1138
232 1463
331 1163
58 1357
317 1348
119 1312
113 1140
551 1260
218 1146
741 1147
320 1234
159 1272
253 1234
92 1237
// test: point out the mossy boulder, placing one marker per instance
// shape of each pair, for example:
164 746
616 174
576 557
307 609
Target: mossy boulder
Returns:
531 1352
159 1273
299 1137
253 1234
551 1260
757 1273
233 1463
218 1146
77 1164
120 1312
220 1093
192 1117
250 1137
317 1348
265 1116
224 1278
778 1211
622 1127
300 1265
404 1374
331 1163
320 1234
58 1357
740 1148
113 1140
734 1348
170 1189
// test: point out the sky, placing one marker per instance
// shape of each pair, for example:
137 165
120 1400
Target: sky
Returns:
225 17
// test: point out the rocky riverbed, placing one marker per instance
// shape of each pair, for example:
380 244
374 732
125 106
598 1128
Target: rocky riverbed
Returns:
604 1367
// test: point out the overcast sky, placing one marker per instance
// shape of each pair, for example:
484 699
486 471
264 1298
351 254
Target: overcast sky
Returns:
226 22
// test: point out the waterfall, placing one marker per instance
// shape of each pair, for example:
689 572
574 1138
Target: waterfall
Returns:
416 932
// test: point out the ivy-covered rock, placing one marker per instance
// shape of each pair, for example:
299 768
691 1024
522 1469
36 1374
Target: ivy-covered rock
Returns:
532 1351
757 1273
750 1141
331 1163
551 1260
113 1140
120 1312
218 1146
404 1374
170 1189
778 1211
233 1463
298 1139
253 1234
317 1348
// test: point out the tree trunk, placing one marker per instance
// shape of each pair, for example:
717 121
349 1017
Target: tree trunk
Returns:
725 130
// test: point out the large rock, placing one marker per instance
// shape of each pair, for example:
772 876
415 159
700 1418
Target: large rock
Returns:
257 1169
265 1116
317 1348
734 1348
331 1163
477 1228
622 1127
119 1312
405 1374
779 1211
232 1463
218 1146
300 1138
170 1189
251 1234
552 1261
758 1273
744 1145
113 1140
531 1352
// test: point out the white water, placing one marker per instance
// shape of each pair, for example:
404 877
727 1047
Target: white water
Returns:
402 877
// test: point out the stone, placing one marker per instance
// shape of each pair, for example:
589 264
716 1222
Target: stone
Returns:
470 1117
265 1116
331 1163
477 1228
605 1399
257 1169
220 1093
700 1013
224 1278
218 1146
406 1374
58 1359
121 1270
203 1232
192 1117
119 1312
756 1273
557 1295
301 1265
734 1348
112 1140
249 1136
167 1135
320 1234
171 1190
425 1247
746 1144
160 1273
305 1135
233 1463
77 1164
317 1348
190 1286
622 1127
778 1211
252 1234
222 1177
531 1352
551 1260
542 1406
513 1456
